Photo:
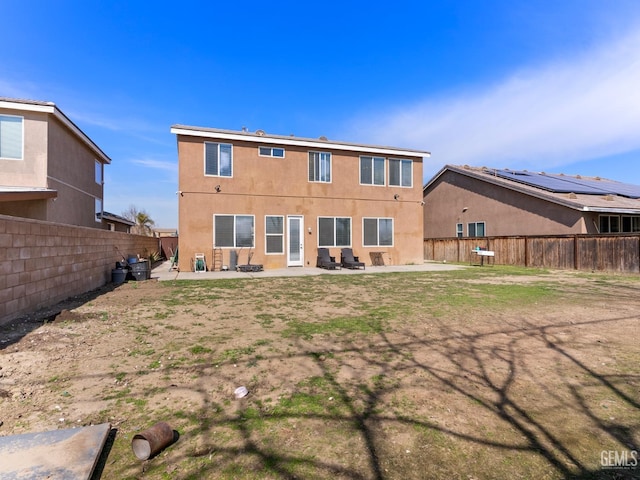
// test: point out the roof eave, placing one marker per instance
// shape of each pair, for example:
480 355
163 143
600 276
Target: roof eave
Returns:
51 108
293 141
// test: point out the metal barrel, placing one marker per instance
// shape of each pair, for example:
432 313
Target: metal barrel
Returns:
151 441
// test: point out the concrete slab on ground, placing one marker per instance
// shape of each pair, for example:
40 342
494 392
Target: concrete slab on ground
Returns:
163 273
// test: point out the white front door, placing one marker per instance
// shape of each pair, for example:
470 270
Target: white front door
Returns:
295 241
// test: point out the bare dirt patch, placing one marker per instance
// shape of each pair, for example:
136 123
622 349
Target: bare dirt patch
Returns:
485 373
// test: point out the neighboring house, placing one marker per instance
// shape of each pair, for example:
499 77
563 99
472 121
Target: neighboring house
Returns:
466 201
116 223
281 197
165 232
49 169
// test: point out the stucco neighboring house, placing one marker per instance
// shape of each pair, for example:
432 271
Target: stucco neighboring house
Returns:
165 232
116 223
466 201
280 198
49 169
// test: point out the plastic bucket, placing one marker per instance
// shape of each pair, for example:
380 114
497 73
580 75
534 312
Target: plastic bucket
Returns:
118 275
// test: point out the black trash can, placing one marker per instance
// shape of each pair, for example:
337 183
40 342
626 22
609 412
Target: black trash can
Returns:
118 276
140 270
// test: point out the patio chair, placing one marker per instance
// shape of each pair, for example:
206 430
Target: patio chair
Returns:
324 260
348 260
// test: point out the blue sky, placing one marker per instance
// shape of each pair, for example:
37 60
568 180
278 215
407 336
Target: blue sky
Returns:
538 85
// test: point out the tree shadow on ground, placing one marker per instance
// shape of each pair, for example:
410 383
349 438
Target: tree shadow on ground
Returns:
493 372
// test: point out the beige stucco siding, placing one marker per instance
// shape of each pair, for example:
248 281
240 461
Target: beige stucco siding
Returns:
71 171
31 170
263 186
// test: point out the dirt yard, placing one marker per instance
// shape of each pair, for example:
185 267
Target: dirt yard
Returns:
494 373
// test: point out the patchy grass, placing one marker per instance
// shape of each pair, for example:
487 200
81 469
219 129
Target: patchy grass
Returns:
478 373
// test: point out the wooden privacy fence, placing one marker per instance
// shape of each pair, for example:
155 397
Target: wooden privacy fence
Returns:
610 253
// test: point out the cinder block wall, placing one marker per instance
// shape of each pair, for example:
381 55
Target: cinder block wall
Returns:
42 263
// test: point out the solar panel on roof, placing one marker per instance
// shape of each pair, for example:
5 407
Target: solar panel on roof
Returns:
563 184
609 186
546 182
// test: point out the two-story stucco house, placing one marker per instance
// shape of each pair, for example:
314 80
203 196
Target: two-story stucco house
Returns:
280 198
49 169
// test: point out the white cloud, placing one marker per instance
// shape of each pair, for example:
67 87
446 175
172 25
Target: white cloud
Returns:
543 117
171 167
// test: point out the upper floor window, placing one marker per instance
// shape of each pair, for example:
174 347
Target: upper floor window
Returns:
320 167
400 172
11 133
378 232
334 232
271 152
476 229
218 159
98 173
372 170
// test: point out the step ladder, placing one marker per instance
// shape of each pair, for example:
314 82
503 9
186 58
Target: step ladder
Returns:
217 259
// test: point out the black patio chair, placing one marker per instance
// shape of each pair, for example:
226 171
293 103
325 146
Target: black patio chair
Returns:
348 260
324 260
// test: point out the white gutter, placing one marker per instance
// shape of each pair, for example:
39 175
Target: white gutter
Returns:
50 107
295 141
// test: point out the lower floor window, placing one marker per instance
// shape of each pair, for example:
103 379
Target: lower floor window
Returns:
617 224
274 228
334 232
476 229
98 203
631 224
459 230
233 230
378 232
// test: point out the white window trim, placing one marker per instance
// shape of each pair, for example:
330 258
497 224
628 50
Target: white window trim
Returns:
22 138
234 215
274 235
99 169
98 211
476 224
411 174
271 149
334 217
384 172
204 160
330 167
393 232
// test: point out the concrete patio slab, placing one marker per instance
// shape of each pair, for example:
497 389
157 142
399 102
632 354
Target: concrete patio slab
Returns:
162 272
